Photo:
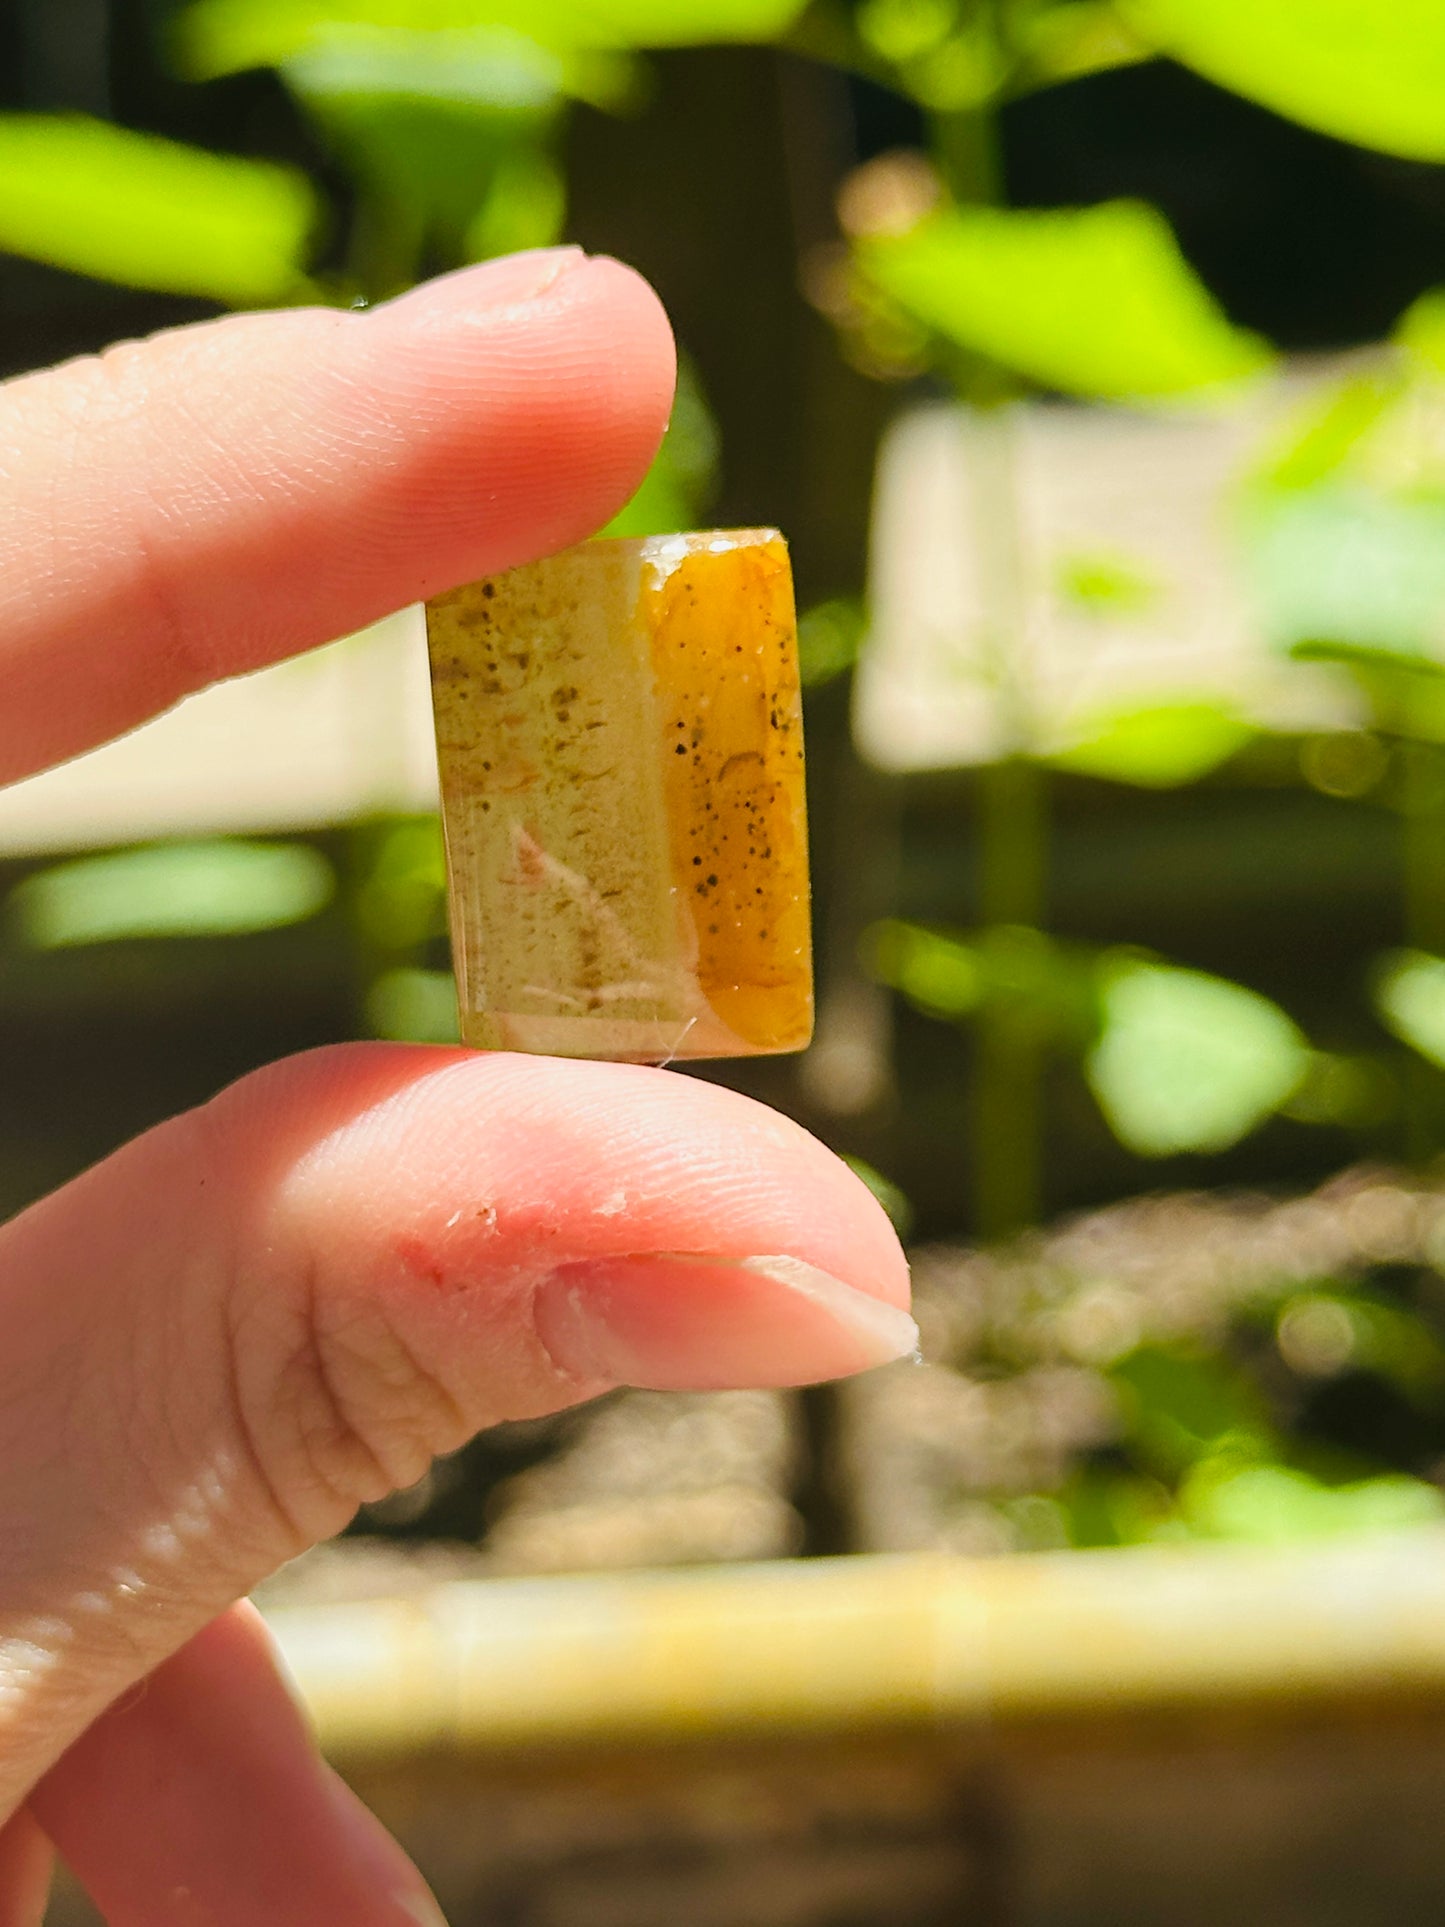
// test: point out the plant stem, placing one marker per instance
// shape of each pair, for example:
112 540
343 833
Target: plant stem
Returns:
1006 1100
1423 844
1422 851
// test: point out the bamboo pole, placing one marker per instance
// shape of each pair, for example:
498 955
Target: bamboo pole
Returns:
828 1644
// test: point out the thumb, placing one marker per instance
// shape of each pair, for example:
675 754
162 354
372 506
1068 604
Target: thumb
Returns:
219 1342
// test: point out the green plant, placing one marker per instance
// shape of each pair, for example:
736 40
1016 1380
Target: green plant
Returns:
1098 302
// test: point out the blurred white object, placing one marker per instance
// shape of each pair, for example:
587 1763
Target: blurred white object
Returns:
1111 582
334 735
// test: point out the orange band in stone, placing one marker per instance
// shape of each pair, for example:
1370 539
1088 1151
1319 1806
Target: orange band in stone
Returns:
620 738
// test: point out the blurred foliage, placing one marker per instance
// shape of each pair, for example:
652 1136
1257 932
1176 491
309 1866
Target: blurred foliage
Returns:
1344 568
447 136
1196 1366
400 901
414 1006
1410 997
1189 1062
217 37
1104 585
205 889
829 637
447 117
1096 301
1177 1060
1158 745
100 200
1352 68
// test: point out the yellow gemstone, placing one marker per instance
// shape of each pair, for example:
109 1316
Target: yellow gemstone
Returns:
620 736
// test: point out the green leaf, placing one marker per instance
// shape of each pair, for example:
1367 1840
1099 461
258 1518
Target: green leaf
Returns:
525 206
1274 1504
226 36
448 131
207 889
1410 1000
498 72
1344 564
1037 989
1093 301
150 213
493 71
1370 71
414 1006
1158 747
944 977
1186 1061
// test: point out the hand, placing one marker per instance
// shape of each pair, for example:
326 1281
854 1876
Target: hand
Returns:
218 1343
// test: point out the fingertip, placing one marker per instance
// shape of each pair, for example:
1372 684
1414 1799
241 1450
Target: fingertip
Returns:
159 1807
251 487
552 372
605 1159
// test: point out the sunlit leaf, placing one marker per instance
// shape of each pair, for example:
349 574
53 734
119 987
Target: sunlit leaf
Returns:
942 975
1273 1504
212 889
1344 564
1371 71
1189 1062
967 71
149 213
1093 301
225 36
500 72
1410 1000
1158 747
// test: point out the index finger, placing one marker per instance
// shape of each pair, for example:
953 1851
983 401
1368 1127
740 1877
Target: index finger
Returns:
185 508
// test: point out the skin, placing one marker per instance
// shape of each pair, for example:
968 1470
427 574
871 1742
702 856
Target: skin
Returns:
221 1340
